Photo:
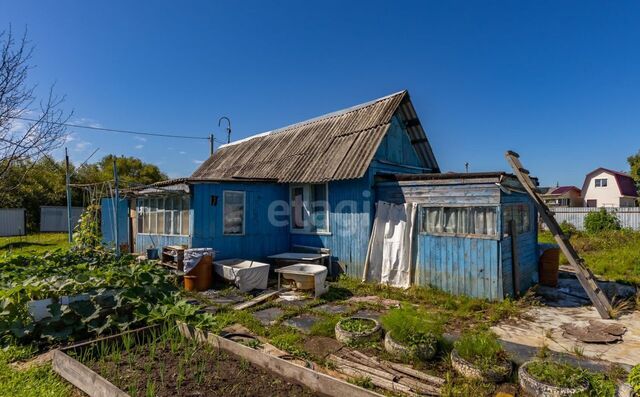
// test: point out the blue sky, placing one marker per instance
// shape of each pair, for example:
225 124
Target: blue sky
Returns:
557 82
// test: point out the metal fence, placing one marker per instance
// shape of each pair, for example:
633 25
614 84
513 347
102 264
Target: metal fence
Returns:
629 217
12 222
54 219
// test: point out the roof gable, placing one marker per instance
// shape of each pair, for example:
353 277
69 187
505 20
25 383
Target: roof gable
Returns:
339 145
626 184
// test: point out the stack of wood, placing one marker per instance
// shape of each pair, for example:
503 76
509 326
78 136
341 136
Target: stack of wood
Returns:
394 377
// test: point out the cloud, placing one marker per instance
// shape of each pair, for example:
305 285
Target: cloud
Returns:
82 145
139 146
198 161
182 152
85 121
140 138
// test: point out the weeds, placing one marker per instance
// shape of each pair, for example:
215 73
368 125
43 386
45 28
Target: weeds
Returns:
480 348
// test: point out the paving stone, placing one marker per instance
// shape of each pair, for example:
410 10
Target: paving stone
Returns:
293 303
268 316
229 299
303 322
332 309
368 314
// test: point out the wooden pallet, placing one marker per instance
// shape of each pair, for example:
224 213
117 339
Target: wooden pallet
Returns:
584 274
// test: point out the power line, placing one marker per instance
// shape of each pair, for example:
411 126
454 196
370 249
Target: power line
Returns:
117 130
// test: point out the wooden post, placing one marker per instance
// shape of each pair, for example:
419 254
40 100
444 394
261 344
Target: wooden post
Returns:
68 187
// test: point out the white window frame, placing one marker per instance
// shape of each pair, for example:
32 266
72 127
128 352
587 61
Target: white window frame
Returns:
306 205
143 204
244 211
599 182
422 229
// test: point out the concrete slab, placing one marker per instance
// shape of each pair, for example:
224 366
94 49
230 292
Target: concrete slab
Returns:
330 308
268 316
368 314
303 322
543 325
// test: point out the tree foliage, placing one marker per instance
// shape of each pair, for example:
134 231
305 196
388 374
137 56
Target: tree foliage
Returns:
634 165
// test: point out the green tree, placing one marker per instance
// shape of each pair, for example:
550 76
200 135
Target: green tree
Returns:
634 165
131 171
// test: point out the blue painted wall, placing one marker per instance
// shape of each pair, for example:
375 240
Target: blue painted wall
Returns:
107 224
261 237
396 146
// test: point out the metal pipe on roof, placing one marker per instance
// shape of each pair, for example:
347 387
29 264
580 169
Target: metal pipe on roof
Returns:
228 127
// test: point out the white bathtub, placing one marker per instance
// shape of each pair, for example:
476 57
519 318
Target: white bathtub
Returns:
246 274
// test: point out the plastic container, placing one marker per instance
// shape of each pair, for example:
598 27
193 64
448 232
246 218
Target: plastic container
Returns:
152 253
549 264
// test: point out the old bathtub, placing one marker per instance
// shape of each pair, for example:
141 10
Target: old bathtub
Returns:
246 274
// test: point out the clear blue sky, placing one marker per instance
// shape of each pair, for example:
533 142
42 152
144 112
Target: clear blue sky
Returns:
559 82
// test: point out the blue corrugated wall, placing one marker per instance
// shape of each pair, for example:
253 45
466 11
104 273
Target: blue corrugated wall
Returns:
261 238
107 224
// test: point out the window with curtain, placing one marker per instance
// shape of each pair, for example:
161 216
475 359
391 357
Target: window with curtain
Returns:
309 208
520 214
233 212
479 221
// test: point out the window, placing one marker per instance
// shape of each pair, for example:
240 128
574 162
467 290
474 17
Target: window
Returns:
519 213
601 182
233 213
309 208
164 215
480 221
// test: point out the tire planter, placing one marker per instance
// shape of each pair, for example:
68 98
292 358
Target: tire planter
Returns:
348 337
534 387
424 352
469 370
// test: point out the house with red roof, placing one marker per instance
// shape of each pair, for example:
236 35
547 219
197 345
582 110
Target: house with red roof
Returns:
607 188
563 196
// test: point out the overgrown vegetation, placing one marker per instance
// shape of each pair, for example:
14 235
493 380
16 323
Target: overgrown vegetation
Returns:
556 374
481 348
412 326
601 220
357 325
33 244
612 255
634 378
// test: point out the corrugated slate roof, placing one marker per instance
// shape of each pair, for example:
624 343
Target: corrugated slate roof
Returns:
563 189
338 145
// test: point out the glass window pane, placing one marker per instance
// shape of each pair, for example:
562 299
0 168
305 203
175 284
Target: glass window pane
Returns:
450 219
297 207
184 224
462 223
433 220
175 216
319 208
167 214
233 213
160 215
140 214
507 215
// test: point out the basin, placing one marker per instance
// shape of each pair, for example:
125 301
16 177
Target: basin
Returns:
305 276
246 274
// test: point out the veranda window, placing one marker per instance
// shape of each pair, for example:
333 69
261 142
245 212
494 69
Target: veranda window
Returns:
164 215
518 213
309 208
480 221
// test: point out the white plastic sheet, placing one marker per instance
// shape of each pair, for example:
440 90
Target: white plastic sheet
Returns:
247 275
390 254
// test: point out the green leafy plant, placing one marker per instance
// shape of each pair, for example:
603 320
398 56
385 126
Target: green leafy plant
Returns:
601 220
481 348
634 378
412 326
556 374
358 325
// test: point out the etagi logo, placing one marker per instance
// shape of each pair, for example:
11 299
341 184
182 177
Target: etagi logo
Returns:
342 218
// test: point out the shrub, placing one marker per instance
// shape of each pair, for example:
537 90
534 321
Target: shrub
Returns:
556 374
601 220
480 348
412 326
634 378
568 228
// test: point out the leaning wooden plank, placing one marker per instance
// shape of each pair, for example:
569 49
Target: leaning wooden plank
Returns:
83 377
258 299
377 381
314 380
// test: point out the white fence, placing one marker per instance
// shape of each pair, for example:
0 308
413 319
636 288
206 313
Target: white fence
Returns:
629 217
54 219
12 222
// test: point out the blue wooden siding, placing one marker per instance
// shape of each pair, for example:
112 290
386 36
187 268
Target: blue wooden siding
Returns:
396 146
459 265
261 238
107 224
351 206
527 249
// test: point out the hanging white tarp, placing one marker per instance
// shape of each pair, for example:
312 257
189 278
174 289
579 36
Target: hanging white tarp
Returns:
390 254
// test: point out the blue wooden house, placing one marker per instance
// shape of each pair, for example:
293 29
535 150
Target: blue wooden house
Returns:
316 183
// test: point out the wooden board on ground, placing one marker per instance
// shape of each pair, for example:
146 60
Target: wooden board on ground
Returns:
259 299
83 377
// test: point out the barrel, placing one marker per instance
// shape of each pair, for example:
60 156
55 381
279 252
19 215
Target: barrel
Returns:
548 264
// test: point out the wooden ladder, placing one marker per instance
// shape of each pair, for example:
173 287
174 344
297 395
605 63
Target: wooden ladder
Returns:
584 274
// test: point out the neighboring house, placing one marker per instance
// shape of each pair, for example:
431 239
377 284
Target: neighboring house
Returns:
606 188
563 196
317 183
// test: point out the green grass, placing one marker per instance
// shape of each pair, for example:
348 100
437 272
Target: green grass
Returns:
39 243
612 255
411 325
357 325
34 381
556 374
480 348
